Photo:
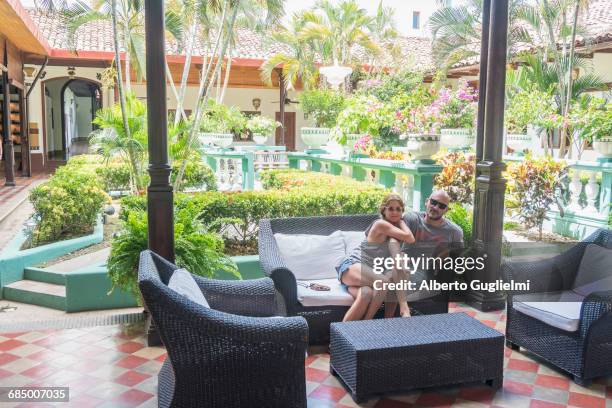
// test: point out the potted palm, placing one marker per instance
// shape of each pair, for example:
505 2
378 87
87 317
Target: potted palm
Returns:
527 107
595 123
457 116
262 127
323 106
220 123
363 115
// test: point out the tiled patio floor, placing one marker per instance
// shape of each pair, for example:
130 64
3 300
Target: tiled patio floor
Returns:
110 367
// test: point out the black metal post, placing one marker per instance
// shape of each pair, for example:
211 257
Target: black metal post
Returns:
490 185
9 153
159 193
283 95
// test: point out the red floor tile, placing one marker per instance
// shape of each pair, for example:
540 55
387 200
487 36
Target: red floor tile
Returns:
40 371
4 373
489 323
326 392
435 400
314 374
550 381
131 378
518 388
131 362
133 397
162 358
544 404
585 401
12 335
129 347
389 403
11 344
478 394
523 365
6 358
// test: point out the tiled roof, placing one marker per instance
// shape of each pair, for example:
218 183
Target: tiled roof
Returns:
98 36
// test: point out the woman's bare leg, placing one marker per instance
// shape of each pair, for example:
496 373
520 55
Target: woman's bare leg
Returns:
359 275
363 297
399 275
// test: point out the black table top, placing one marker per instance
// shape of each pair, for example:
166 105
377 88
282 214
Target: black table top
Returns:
413 331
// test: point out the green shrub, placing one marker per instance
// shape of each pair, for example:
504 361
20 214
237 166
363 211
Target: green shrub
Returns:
114 177
463 219
323 105
196 249
291 179
197 174
66 205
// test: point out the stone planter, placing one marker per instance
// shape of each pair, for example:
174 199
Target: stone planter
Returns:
603 146
457 138
519 142
260 139
422 146
222 140
315 137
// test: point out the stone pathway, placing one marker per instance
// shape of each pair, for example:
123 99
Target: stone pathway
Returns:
83 261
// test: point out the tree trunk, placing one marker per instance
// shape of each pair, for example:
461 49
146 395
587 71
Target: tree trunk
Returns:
122 101
228 68
193 29
569 79
180 113
205 90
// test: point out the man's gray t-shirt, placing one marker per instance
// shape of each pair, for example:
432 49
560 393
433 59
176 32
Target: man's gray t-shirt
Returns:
431 238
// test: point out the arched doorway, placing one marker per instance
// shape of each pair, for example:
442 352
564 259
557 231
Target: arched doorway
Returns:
70 106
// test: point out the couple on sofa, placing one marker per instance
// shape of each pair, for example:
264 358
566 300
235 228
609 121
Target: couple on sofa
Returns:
391 235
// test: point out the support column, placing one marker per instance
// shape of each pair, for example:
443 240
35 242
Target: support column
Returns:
9 153
490 185
159 193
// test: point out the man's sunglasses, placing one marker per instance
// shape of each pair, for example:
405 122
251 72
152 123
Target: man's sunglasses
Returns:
438 204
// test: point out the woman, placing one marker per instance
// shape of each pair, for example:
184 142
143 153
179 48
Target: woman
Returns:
382 240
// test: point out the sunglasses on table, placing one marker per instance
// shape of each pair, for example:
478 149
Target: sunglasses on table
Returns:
438 204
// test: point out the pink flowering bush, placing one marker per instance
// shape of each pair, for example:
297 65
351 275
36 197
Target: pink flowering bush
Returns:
457 109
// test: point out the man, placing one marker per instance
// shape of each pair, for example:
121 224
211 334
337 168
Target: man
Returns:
435 237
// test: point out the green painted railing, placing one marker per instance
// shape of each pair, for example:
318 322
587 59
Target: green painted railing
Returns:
234 170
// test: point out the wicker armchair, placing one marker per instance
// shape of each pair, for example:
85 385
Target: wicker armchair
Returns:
585 353
217 357
319 318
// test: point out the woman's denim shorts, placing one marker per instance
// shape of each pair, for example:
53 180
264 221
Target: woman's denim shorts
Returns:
343 267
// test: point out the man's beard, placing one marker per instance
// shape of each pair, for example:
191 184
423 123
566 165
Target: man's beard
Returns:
435 217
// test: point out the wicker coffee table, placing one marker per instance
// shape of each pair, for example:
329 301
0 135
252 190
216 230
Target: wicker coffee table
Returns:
391 355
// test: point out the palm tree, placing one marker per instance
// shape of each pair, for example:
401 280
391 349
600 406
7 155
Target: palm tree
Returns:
298 62
382 30
337 29
456 31
112 139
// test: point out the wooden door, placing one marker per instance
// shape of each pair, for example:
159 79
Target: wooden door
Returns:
289 130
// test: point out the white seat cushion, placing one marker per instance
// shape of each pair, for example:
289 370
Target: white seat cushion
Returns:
352 239
183 283
557 309
595 271
311 257
336 296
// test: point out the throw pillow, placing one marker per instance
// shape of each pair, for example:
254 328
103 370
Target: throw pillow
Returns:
183 283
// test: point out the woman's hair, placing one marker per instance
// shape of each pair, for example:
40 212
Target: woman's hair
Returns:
389 198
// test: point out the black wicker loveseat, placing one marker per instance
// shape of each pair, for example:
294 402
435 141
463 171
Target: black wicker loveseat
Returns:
584 348
319 318
217 356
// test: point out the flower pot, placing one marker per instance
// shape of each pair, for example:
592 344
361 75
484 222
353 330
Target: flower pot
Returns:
315 137
457 138
260 139
603 146
422 146
519 142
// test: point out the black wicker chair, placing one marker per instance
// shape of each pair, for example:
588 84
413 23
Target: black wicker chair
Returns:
585 353
319 318
217 358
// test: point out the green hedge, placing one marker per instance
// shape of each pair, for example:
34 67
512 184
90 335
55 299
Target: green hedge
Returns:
291 179
237 214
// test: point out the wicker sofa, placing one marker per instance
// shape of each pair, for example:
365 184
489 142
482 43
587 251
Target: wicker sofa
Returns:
564 318
319 317
217 356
